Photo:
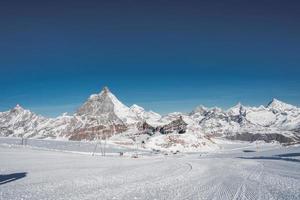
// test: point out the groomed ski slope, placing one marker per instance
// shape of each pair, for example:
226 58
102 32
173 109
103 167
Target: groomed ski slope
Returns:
232 174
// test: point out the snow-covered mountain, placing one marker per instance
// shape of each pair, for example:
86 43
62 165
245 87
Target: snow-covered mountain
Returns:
277 121
101 114
19 122
108 109
104 115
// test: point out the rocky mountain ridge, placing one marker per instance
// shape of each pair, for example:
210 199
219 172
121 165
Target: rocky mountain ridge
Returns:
103 115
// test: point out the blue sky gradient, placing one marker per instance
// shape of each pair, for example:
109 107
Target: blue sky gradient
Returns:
162 55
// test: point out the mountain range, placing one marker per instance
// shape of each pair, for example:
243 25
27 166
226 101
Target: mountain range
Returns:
103 115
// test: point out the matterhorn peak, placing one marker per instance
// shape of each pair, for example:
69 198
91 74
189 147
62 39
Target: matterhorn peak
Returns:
106 104
105 89
104 92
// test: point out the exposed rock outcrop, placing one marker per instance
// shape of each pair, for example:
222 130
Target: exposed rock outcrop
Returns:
178 126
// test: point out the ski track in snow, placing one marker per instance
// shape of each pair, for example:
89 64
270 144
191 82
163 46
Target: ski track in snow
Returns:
63 175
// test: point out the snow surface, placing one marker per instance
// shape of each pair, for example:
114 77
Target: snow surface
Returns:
277 105
181 142
270 172
261 117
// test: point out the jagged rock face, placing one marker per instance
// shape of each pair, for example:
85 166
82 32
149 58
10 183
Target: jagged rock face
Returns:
97 132
269 137
178 126
100 107
103 116
145 128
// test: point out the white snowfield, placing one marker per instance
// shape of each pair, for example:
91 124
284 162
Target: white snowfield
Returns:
236 171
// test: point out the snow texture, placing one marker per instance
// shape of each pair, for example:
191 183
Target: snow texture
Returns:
236 171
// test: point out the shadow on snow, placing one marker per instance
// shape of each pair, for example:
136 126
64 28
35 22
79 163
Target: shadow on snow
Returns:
276 157
6 178
288 155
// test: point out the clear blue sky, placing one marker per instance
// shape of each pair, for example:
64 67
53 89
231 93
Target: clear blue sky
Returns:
163 55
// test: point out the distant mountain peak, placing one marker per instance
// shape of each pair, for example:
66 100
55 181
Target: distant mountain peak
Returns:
200 109
215 109
137 108
274 101
18 107
235 110
277 101
104 102
276 104
239 104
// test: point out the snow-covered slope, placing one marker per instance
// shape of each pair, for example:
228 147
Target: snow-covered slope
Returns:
270 173
149 116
